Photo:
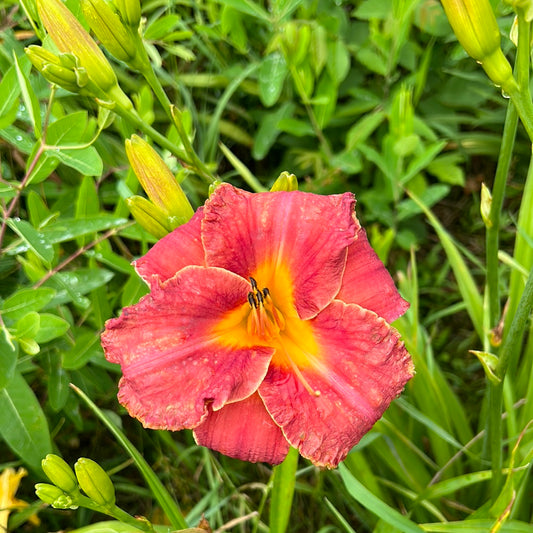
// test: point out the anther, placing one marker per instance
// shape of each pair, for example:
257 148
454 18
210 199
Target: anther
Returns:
259 297
253 283
266 292
252 300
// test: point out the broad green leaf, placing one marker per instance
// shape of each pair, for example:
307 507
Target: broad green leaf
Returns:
86 161
69 228
282 8
28 326
8 358
162 26
367 499
69 129
272 74
432 195
51 327
38 210
363 128
58 381
10 90
23 425
17 137
87 345
422 160
298 128
268 131
338 63
45 165
25 300
326 90
34 239
30 99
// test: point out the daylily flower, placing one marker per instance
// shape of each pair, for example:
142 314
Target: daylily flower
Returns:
9 484
266 326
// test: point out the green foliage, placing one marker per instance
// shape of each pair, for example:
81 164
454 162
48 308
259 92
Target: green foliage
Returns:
373 97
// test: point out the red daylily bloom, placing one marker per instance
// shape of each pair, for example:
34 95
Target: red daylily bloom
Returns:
266 326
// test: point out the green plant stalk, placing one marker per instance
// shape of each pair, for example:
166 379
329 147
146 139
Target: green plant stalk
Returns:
284 479
160 493
498 194
155 84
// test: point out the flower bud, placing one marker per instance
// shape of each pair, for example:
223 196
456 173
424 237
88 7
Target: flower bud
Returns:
95 482
109 29
54 496
485 206
149 216
285 182
70 37
130 12
157 180
475 27
60 473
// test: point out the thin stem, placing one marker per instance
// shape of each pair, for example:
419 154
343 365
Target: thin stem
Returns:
498 194
156 86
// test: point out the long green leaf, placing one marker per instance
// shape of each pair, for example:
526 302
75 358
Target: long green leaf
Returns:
282 492
375 505
23 425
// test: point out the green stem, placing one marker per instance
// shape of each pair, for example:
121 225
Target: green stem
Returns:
159 92
498 194
284 480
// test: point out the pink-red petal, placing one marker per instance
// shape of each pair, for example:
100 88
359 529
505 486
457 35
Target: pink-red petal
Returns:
302 234
367 282
176 250
173 363
243 430
360 367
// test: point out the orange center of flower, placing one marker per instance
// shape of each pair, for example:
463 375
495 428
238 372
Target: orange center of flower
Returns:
268 320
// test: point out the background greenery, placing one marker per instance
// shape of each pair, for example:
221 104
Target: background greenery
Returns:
373 97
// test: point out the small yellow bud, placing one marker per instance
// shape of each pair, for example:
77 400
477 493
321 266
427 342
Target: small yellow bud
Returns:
60 473
157 180
486 205
95 482
476 28
285 182
149 216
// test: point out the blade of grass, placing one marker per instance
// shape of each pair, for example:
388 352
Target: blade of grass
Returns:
284 477
169 506
374 504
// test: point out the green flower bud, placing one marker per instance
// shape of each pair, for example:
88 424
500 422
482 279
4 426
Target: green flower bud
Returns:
54 496
475 27
149 216
130 11
157 180
70 37
60 473
95 482
109 29
285 182
485 206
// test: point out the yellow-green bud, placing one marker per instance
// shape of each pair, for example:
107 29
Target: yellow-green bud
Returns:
130 11
95 482
54 496
109 29
60 70
213 186
149 216
285 182
524 7
476 28
70 37
486 205
60 473
157 180
296 42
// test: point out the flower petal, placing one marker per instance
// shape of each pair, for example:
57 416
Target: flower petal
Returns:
294 235
366 282
178 249
243 430
174 360
360 367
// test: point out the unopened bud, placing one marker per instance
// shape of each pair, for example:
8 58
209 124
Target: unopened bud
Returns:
54 496
476 28
130 12
285 182
149 216
70 37
60 473
486 205
157 180
95 482
110 31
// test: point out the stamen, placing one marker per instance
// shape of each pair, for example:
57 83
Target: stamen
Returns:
252 300
253 283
